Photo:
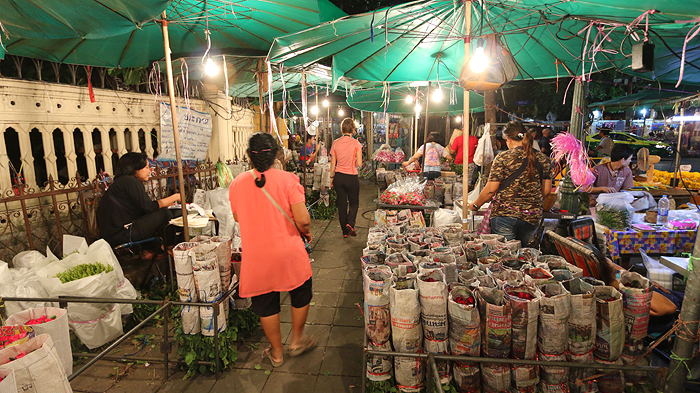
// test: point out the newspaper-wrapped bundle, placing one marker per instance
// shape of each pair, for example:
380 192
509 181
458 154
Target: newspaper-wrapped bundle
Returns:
629 354
505 276
495 377
416 243
525 378
579 374
555 377
379 367
406 332
377 284
467 377
186 287
493 237
636 294
555 308
539 276
397 259
485 262
465 324
593 281
452 233
495 316
374 254
611 382
559 263
561 275
582 320
208 281
610 324
223 255
7 381
433 303
476 250
529 254
469 277
427 264
525 306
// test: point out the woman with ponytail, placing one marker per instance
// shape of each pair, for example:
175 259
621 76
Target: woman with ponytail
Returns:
519 181
346 157
270 208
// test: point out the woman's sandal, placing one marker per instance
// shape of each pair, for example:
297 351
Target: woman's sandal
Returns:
307 343
268 354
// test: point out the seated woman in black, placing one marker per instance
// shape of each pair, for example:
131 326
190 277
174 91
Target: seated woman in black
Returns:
126 213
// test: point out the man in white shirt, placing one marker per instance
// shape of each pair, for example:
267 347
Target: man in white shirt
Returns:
606 144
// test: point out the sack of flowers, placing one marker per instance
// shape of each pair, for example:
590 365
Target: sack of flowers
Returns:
555 309
610 324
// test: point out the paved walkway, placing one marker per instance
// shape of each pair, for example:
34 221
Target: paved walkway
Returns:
335 365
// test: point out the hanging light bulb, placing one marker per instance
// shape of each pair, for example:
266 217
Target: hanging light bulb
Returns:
409 99
210 68
479 60
437 95
340 112
458 119
314 110
325 103
418 107
294 118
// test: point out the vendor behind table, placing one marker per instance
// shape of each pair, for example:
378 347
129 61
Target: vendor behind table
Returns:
431 152
613 176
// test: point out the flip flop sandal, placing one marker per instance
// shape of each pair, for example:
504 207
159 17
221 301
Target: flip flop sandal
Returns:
307 344
268 354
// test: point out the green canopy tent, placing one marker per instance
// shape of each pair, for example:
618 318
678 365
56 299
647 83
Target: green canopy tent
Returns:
652 98
244 27
373 100
197 27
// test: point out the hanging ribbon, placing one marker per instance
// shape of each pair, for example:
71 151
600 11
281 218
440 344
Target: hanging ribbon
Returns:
91 93
271 102
579 79
371 28
636 22
304 100
185 73
284 92
386 32
691 34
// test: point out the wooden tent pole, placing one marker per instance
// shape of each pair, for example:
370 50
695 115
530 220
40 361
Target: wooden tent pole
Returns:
466 120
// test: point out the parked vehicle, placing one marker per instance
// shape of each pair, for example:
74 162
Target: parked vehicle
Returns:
660 149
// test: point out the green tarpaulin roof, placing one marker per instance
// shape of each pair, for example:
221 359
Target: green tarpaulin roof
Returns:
242 27
424 40
648 98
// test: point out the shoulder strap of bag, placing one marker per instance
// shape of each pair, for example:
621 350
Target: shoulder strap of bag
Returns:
267 194
510 179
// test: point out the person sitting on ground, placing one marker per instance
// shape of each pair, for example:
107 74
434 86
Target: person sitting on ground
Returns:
431 162
613 176
126 213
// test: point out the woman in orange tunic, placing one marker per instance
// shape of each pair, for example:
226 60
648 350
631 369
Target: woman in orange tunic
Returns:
273 257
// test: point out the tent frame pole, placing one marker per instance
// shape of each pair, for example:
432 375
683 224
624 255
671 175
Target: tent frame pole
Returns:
176 132
466 120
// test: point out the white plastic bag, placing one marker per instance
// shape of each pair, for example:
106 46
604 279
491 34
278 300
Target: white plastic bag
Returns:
614 210
22 283
484 150
445 217
39 371
57 329
28 259
100 250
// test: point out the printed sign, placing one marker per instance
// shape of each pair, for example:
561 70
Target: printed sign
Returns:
195 132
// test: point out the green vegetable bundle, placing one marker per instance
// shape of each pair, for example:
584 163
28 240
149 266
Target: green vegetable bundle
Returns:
614 218
83 270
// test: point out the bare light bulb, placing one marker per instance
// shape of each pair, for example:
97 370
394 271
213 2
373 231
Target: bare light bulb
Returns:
314 110
409 99
418 108
294 118
458 119
340 112
437 95
479 60
210 68
325 103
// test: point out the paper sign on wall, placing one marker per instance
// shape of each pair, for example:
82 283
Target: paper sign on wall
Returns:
195 133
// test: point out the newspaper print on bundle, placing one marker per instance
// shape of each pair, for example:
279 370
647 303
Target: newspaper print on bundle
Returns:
525 378
432 290
208 281
582 319
467 377
406 334
377 283
553 379
495 316
465 324
495 377
636 300
610 324
186 287
575 374
611 382
555 309
379 367
525 306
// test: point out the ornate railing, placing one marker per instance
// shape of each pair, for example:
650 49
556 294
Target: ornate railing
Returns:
34 219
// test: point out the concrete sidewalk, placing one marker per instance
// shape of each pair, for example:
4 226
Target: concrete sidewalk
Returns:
335 365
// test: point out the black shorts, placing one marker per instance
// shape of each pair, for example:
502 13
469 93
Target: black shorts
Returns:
268 304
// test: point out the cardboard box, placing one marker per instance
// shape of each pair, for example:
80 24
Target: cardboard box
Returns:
447 173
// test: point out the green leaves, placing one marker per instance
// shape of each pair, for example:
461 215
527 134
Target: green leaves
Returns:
83 270
189 358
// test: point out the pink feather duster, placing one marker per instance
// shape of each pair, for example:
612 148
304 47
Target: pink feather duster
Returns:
568 147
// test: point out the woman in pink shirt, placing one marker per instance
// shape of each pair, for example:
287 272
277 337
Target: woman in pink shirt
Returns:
274 258
346 157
